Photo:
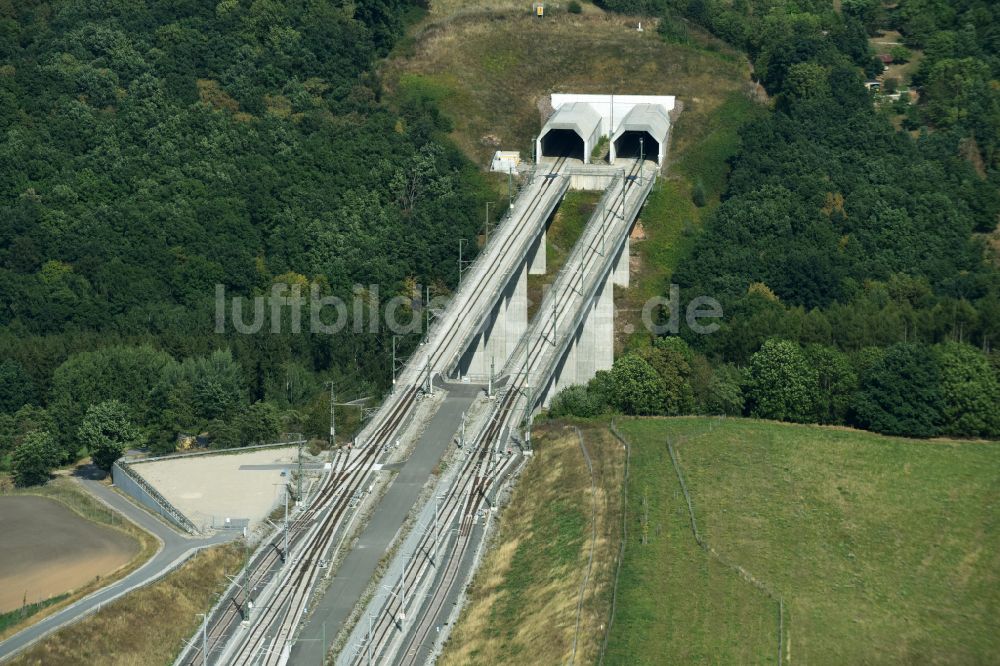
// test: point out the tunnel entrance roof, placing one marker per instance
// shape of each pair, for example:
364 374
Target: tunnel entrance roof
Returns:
594 116
649 118
577 117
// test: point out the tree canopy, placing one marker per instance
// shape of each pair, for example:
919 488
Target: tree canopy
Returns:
153 151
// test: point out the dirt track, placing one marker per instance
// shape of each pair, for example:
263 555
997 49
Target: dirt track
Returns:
46 549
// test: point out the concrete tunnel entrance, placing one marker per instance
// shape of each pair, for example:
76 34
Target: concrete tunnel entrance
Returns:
629 146
562 143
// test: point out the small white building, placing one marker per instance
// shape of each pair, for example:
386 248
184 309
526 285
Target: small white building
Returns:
505 161
637 125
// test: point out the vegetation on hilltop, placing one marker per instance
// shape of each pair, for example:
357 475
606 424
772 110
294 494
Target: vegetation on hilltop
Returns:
155 150
844 252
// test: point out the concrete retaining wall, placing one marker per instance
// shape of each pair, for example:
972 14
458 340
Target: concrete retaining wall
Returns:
132 484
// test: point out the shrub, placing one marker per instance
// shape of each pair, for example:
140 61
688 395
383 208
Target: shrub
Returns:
575 401
698 193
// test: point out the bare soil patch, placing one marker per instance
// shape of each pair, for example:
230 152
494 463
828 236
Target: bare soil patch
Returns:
47 550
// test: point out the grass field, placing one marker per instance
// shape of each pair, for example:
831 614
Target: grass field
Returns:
69 494
523 601
147 626
884 550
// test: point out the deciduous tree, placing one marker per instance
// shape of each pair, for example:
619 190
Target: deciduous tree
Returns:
107 431
34 459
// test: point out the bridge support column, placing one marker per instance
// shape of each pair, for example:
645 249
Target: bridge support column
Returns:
597 335
504 328
592 348
516 312
622 266
536 256
565 375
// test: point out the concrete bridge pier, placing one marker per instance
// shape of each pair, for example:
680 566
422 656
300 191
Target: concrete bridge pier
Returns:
622 266
565 374
536 255
592 347
501 331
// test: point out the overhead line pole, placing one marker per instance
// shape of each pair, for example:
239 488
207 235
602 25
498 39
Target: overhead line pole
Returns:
284 553
299 480
488 220
333 424
510 188
204 638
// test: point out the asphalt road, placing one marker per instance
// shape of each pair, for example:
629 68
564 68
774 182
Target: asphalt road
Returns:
358 567
174 548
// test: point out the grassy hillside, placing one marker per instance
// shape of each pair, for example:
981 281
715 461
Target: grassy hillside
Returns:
524 599
492 70
491 66
885 550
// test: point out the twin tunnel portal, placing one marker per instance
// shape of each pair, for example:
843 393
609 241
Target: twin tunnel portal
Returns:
632 145
636 127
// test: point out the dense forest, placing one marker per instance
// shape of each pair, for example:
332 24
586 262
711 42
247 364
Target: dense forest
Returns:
153 150
848 251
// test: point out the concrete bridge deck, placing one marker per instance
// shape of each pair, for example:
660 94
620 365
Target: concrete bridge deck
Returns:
572 335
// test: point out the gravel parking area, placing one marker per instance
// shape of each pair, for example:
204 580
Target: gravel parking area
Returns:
216 487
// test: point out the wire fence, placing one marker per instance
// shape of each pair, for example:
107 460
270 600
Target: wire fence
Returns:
621 548
292 440
593 540
743 573
134 485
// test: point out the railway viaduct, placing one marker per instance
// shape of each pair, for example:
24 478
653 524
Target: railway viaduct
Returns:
275 613
569 137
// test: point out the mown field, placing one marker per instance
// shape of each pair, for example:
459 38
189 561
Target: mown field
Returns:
884 550
526 598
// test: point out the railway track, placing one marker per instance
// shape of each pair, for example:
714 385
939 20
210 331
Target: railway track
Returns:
473 483
310 535
442 354
333 495
461 503
472 487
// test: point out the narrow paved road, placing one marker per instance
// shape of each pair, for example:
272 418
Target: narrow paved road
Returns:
174 549
358 567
